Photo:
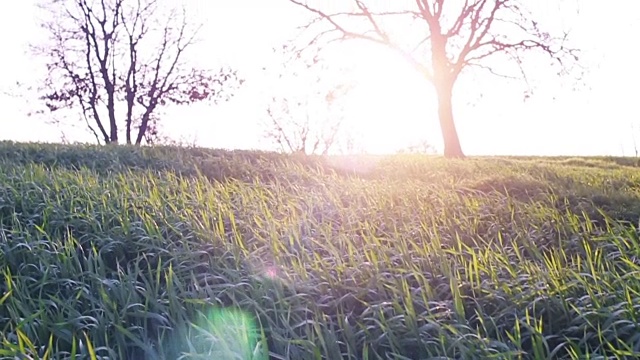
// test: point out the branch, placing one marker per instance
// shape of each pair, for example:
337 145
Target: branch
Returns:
161 84
478 29
381 38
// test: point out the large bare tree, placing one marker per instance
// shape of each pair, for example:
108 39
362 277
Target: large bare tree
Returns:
120 61
305 113
442 39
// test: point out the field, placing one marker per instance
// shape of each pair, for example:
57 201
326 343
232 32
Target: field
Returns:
175 253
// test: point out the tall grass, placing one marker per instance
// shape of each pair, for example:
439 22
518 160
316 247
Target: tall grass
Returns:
189 254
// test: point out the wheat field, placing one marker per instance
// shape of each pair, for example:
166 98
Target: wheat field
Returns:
175 253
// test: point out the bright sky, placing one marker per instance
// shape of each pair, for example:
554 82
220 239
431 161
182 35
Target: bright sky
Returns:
391 108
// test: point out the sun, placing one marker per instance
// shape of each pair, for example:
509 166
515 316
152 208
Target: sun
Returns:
392 106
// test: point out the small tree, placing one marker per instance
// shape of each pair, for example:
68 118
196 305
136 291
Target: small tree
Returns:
307 116
419 147
120 61
444 39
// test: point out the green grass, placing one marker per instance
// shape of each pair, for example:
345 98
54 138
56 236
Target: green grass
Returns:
170 253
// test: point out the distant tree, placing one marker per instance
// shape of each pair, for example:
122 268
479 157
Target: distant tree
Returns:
306 114
443 40
120 61
419 147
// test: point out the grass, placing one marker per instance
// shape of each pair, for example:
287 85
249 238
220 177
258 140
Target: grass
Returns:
167 253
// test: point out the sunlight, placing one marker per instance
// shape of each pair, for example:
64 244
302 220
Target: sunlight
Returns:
392 105
227 333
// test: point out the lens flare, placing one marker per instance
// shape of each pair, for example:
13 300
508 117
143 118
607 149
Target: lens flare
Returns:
271 272
229 334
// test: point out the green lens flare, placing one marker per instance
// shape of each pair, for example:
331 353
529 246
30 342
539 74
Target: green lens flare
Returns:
230 334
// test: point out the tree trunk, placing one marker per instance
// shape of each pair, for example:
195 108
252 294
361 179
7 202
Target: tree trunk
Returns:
111 104
444 77
452 147
144 123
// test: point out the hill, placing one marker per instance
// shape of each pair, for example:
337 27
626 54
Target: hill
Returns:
167 253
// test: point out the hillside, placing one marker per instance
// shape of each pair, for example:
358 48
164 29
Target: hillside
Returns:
167 253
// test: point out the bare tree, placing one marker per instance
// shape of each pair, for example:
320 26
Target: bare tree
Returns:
120 61
420 147
443 40
300 133
308 116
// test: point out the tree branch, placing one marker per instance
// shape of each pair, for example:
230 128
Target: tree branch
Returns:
381 38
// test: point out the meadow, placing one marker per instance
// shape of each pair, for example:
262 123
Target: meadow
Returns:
186 253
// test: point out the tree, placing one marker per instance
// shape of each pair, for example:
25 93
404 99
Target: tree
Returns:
460 35
307 117
420 147
120 61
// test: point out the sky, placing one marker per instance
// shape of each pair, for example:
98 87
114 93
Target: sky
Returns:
391 106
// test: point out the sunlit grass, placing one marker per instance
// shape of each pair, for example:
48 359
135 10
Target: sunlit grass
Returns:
196 255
